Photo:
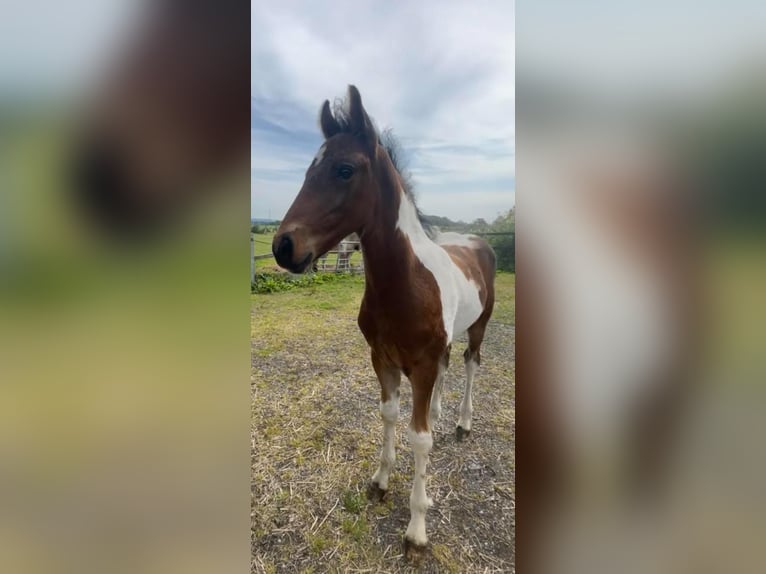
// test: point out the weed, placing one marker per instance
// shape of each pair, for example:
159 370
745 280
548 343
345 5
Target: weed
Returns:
270 282
318 542
356 528
353 502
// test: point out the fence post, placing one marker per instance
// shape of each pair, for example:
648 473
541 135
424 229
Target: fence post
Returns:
252 259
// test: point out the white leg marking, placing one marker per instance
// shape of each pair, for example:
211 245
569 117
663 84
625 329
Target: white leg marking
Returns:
389 412
466 407
436 398
421 446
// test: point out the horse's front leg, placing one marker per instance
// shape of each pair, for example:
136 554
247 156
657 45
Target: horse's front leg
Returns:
389 378
421 441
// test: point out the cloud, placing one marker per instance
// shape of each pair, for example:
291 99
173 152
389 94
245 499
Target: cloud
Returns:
441 74
56 48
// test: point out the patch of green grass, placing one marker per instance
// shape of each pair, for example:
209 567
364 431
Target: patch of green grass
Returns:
266 265
505 298
276 282
271 324
353 502
444 557
267 351
262 243
318 542
356 528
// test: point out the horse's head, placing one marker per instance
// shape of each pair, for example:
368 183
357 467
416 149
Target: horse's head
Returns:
168 119
340 189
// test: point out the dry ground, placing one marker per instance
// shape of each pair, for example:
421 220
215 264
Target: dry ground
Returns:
316 436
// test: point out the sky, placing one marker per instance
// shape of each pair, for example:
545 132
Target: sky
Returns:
683 47
440 74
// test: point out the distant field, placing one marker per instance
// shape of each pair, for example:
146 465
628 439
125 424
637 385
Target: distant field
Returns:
262 246
262 243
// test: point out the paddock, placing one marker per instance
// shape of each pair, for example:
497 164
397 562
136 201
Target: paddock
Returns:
316 439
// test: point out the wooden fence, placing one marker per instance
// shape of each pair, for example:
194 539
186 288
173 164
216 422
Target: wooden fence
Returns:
339 260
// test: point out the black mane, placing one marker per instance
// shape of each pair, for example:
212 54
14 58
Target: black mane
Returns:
394 149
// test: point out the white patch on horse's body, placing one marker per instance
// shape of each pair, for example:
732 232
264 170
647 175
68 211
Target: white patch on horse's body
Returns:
421 443
466 406
389 412
461 306
452 238
320 155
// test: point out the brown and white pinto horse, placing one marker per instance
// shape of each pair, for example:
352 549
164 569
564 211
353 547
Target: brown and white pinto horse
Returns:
420 291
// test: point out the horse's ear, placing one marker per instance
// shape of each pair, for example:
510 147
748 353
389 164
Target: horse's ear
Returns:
329 124
360 121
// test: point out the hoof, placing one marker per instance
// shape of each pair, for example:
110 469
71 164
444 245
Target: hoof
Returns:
375 493
413 551
461 433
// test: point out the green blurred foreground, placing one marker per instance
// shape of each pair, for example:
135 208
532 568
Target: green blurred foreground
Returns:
123 385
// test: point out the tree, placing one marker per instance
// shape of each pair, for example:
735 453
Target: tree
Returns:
480 225
504 245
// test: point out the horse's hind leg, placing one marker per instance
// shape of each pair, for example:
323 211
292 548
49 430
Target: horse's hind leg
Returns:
436 398
390 378
472 357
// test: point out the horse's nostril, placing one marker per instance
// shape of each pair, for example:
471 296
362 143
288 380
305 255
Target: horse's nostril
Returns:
283 249
100 183
286 244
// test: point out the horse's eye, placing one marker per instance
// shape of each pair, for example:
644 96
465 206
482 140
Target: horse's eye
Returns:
345 172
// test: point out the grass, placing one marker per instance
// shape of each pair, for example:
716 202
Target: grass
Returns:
353 502
262 246
262 243
316 436
505 300
735 280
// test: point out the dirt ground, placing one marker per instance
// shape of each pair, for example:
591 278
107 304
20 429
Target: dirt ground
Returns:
316 437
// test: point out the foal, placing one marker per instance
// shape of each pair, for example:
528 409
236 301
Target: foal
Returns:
420 291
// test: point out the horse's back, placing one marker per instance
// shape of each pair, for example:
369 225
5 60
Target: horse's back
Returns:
475 259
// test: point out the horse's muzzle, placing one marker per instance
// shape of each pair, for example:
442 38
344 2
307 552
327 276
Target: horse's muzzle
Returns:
283 249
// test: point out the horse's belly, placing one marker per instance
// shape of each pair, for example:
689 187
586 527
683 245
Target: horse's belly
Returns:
464 306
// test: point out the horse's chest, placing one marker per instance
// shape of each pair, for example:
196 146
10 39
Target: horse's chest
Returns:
401 331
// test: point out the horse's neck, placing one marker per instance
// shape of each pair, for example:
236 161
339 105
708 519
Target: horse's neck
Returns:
386 248
387 251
